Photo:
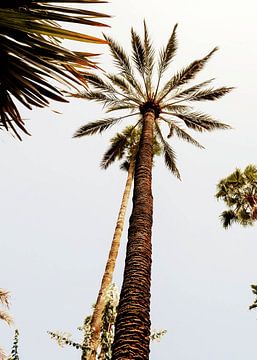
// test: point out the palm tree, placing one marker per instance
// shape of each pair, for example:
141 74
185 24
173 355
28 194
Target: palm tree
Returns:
123 145
167 104
239 192
4 315
31 54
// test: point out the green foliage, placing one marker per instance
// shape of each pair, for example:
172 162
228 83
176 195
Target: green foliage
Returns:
107 329
14 353
125 145
239 192
133 89
254 290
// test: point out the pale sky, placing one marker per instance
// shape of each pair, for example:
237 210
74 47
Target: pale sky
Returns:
58 208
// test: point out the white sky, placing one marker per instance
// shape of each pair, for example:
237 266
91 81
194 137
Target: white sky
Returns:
58 209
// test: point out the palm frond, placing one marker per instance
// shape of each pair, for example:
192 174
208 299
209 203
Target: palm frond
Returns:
98 126
167 53
165 56
149 59
115 150
185 75
192 89
254 304
182 134
122 106
105 99
4 297
127 92
121 60
228 217
177 108
201 122
138 52
169 154
6 317
210 94
99 84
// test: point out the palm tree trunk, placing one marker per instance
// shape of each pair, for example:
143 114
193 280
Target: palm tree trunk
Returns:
109 268
132 327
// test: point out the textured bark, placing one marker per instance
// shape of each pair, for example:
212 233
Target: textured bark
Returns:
109 268
132 327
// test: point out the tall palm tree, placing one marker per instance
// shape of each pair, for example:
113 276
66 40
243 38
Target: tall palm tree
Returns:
31 54
124 146
152 106
239 192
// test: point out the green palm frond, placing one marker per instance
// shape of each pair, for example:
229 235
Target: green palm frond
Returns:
185 93
167 53
98 126
99 84
124 106
106 100
122 62
177 108
185 74
210 94
127 92
138 52
228 217
254 290
169 154
115 150
182 134
200 121
149 59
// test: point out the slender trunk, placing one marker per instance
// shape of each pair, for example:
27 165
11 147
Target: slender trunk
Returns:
132 327
109 268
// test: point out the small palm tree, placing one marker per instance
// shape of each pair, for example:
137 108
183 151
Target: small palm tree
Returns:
239 192
153 106
31 55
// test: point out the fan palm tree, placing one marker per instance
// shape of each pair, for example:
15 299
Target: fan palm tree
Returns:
168 104
123 145
31 54
239 192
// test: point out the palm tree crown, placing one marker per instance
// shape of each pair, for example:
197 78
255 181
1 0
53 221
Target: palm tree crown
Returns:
31 55
239 192
132 89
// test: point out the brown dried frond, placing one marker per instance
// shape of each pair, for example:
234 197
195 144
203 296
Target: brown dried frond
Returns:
6 317
4 297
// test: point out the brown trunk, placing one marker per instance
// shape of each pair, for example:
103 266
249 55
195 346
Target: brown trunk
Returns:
132 327
109 268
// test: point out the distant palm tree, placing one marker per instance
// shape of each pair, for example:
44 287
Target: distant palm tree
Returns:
239 192
31 56
124 147
152 106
